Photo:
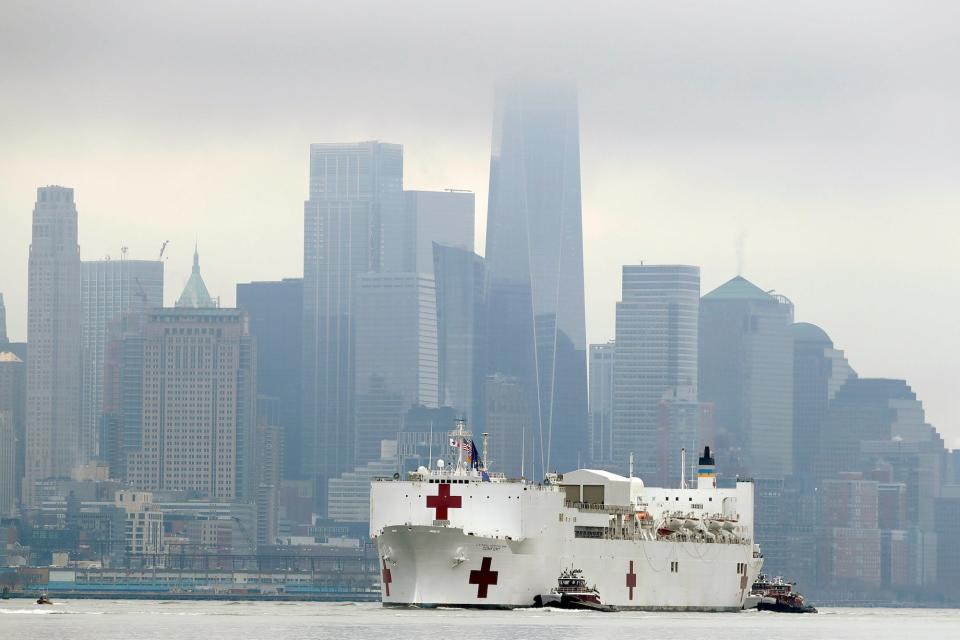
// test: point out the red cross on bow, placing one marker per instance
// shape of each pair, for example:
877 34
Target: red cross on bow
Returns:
483 577
387 577
631 580
443 501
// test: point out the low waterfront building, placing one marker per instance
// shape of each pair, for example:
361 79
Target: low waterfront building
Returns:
144 532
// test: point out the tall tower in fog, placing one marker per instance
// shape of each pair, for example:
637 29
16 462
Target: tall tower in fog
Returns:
356 190
535 265
53 332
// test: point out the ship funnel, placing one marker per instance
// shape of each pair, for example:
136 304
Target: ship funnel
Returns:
706 471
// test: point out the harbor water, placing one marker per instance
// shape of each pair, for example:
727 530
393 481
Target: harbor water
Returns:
143 619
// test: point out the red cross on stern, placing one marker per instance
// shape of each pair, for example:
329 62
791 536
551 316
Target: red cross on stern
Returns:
443 501
484 577
631 580
387 577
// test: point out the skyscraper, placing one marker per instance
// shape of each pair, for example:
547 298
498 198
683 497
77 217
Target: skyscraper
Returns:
868 409
109 289
276 321
8 464
122 420
3 323
601 405
53 332
512 444
461 314
535 265
656 353
199 399
353 187
746 371
268 469
444 217
13 392
819 371
396 346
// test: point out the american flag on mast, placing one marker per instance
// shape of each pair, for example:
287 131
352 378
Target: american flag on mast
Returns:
473 456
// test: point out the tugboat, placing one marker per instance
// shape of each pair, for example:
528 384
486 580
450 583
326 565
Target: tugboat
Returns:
778 596
572 592
44 599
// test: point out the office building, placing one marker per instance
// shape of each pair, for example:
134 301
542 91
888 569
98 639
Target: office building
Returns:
269 471
199 400
746 372
13 393
353 187
53 332
122 411
601 405
108 289
8 465
656 352
819 370
395 326
513 444
460 277
442 217
275 310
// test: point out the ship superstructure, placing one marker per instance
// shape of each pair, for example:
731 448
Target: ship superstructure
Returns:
458 535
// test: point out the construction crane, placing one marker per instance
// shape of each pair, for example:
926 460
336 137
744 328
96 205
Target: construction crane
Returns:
163 248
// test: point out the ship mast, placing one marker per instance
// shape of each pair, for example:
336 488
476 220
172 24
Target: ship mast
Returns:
683 468
461 437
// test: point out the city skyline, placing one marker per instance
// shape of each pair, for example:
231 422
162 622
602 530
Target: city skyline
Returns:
771 134
684 277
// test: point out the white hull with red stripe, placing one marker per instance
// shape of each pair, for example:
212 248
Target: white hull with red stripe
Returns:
453 540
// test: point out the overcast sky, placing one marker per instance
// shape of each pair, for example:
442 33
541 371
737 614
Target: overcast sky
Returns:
822 136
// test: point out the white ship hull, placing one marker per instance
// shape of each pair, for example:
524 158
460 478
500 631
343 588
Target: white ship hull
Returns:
440 566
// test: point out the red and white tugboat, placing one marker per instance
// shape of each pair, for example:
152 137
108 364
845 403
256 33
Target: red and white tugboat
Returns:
572 592
777 595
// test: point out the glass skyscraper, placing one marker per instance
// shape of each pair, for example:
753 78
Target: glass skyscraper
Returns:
535 265
108 290
655 367
276 321
746 371
460 283
356 199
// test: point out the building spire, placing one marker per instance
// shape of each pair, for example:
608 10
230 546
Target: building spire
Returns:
3 322
195 294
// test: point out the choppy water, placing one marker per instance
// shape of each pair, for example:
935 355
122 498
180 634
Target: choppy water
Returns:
135 620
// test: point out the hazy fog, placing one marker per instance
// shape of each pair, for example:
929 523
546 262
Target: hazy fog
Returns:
824 134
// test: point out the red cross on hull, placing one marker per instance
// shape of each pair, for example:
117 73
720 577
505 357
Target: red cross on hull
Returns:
484 577
631 580
387 576
443 501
